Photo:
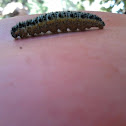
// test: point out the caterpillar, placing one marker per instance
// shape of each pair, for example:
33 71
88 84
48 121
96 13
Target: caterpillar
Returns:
55 21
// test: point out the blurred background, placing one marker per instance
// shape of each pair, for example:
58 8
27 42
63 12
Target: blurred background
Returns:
11 8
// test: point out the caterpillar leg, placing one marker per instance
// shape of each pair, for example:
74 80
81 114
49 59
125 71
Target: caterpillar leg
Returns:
100 27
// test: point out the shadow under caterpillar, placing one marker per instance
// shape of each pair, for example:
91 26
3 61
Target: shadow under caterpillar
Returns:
55 21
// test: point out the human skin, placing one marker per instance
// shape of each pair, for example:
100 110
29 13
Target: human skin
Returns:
67 79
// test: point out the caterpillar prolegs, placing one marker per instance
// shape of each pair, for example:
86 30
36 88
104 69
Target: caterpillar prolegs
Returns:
55 21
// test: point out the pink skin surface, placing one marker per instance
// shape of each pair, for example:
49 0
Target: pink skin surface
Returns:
67 79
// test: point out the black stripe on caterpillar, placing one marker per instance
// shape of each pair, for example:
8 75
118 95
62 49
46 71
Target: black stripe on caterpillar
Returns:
56 20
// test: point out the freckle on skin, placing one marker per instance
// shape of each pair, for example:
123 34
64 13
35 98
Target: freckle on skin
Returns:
21 47
28 60
11 84
112 70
